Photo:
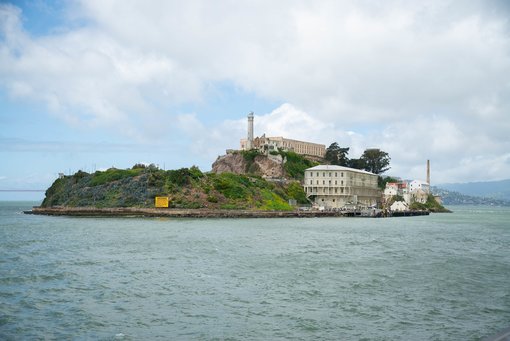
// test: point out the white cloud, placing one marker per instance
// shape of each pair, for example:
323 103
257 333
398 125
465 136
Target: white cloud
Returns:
418 79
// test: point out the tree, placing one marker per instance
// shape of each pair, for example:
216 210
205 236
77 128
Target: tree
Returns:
336 155
357 163
383 180
375 160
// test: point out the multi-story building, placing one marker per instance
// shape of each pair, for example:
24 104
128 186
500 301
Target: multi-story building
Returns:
333 186
267 144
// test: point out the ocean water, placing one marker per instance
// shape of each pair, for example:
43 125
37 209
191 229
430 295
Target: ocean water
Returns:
437 277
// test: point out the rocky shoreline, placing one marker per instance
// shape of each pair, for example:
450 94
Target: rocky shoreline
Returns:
201 213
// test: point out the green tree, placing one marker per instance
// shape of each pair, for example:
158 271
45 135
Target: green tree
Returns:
357 163
336 155
375 160
383 180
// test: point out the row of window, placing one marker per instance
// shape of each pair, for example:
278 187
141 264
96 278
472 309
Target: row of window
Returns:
324 191
324 174
329 182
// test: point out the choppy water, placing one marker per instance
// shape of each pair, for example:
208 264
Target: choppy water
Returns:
441 277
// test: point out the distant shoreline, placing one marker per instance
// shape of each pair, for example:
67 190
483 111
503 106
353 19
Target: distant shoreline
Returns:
201 213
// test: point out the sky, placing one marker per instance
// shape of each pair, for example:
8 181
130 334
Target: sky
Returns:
93 84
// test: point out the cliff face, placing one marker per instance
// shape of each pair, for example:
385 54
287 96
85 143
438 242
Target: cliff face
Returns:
240 164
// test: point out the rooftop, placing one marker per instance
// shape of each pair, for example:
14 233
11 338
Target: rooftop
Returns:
338 168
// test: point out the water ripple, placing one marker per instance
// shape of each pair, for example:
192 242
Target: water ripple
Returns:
440 277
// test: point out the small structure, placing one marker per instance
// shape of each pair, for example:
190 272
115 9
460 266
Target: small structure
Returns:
395 188
161 202
399 206
420 196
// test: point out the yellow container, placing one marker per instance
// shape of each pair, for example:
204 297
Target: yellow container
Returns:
161 201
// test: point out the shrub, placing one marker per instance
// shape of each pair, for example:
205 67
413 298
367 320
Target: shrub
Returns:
296 164
295 191
139 166
112 174
212 199
272 202
232 186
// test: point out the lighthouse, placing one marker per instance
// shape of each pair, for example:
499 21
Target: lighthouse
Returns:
249 142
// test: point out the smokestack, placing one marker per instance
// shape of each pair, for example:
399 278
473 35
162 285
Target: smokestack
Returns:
428 172
249 142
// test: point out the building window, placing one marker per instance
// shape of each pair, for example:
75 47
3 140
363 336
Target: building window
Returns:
330 182
317 173
311 182
342 183
342 174
324 174
317 182
335 182
336 190
333 200
336 174
323 182
330 174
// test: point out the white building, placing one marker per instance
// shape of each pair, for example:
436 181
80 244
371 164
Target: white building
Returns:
397 188
391 189
416 185
333 186
399 206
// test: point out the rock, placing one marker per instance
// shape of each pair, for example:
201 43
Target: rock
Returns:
231 163
265 166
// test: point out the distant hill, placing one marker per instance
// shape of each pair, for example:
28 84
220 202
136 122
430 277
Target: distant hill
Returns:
490 189
456 198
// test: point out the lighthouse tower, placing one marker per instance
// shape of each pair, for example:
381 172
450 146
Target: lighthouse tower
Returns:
249 142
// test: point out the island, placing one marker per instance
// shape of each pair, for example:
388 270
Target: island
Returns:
265 177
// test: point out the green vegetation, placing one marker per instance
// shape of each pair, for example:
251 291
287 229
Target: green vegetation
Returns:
376 160
383 180
336 155
186 188
296 164
272 202
249 156
295 191
431 205
372 160
112 174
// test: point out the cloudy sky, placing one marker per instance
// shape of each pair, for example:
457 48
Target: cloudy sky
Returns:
95 83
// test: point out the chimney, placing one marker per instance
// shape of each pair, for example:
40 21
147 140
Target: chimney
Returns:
428 172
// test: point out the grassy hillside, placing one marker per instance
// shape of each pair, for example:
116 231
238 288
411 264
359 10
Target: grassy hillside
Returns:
186 187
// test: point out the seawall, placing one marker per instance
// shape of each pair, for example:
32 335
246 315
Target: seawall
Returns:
196 213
